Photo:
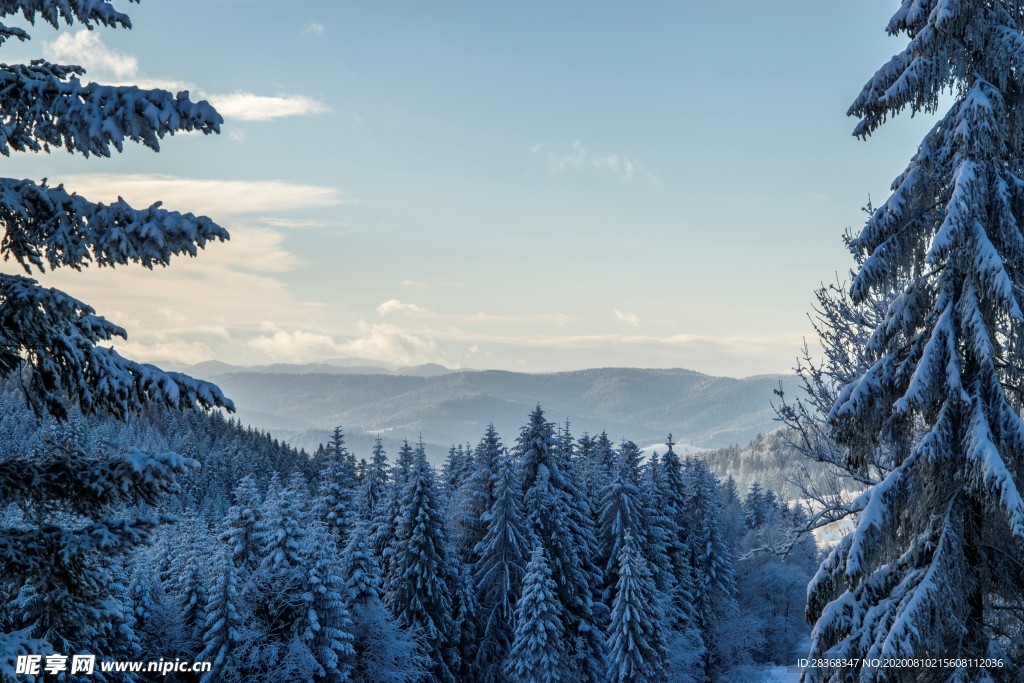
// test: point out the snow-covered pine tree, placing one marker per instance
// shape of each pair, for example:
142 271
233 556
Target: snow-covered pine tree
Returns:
499 571
420 580
538 653
660 529
467 614
933 567
385 522
558 517
711 560
324 626
64 539
337 488
374 484
192 585
671 499
476 496
621 513
452 471
383 651
158 624
274 589
222 630
281 532
243 520
670 564
636 642
359 570
599 466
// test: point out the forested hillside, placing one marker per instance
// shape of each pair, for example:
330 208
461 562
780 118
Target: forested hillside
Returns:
546 553
297 402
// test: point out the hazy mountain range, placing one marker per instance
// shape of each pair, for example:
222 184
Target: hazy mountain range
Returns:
300 403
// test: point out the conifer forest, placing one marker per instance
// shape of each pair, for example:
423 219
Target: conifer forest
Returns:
874 532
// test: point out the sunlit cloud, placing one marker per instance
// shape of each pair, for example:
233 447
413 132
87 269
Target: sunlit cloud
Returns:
200 195
87 49
396 306
626 317
245 106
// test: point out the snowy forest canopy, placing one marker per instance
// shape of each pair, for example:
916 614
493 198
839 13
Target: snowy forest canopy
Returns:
574 558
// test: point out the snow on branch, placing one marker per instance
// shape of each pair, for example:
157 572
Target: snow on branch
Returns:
49 226
87 12
46 106
55 336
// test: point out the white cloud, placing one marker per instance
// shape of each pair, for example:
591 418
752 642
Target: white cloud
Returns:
392 344
394 305
627 317
164 347
295 345
381 341
315 27
87 49
245 106
213 197
414 283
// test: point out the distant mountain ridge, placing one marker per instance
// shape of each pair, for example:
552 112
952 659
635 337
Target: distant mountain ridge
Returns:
300 403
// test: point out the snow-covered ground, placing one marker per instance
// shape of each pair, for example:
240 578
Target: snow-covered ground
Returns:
780 674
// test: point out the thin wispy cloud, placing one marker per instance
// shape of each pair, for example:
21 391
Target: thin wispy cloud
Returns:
315 28
291 223
580 159
414 283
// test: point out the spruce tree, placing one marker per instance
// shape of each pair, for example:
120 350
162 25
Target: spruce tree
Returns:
711 560
934 562
672 499
384 524
382 650
538 653
476 495
359 570
636 643
193 595
325 627
335 506
558 517
420 577
222 628
67 535
243 520
622 512
498 573
374 484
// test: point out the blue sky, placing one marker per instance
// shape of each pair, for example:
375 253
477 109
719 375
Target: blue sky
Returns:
520 186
